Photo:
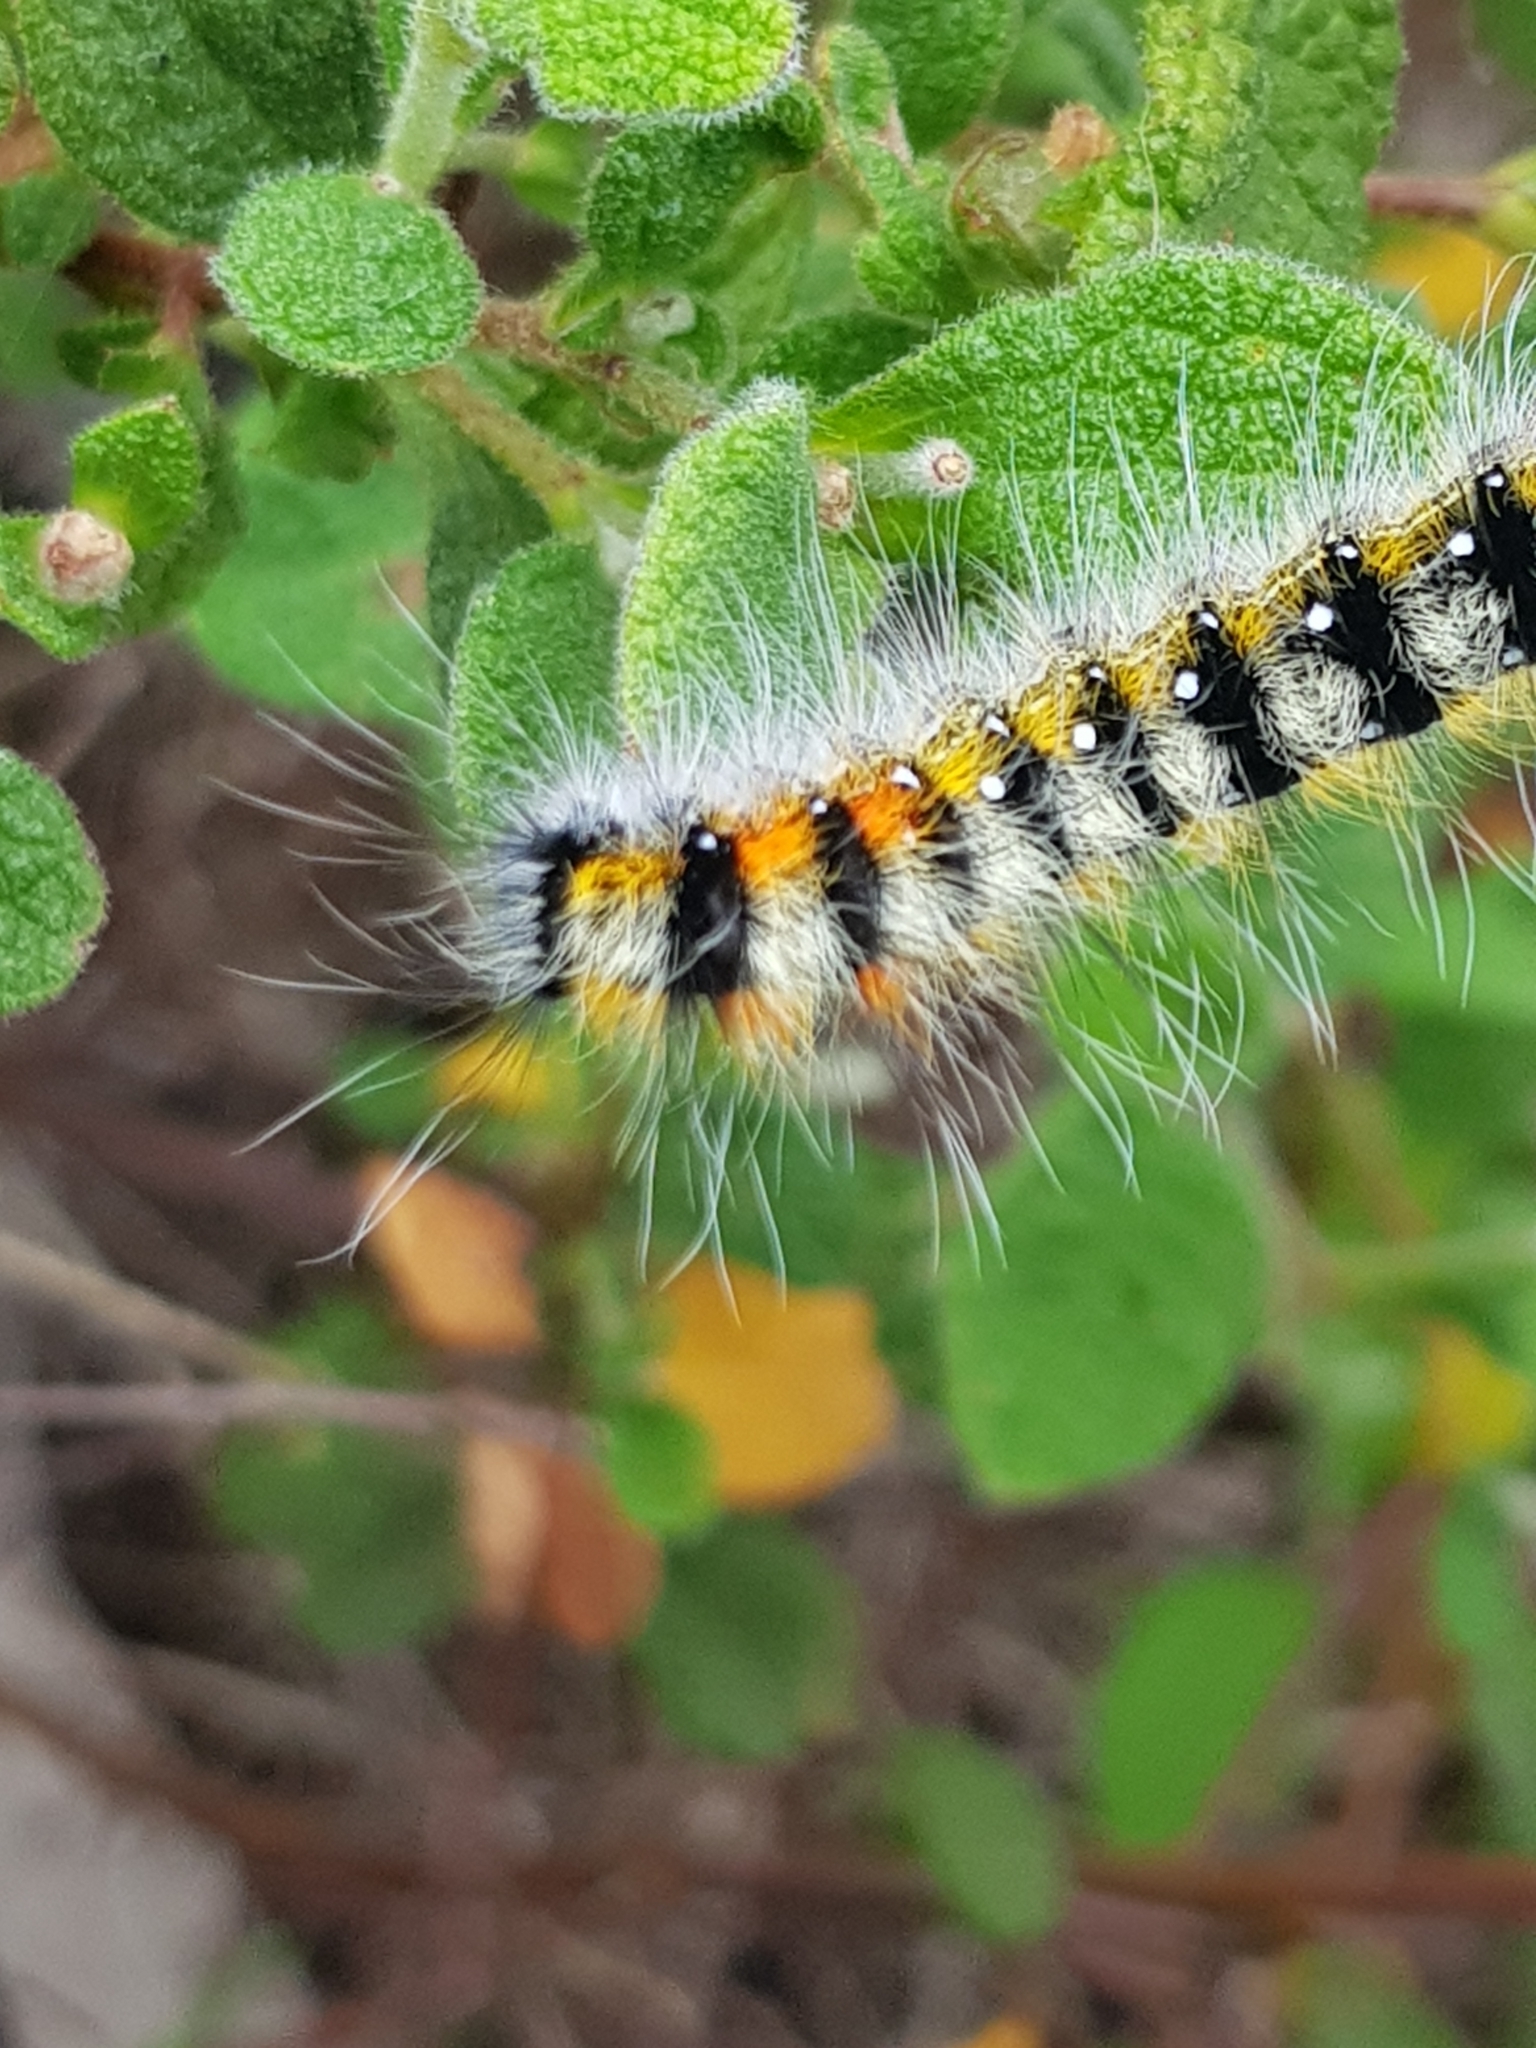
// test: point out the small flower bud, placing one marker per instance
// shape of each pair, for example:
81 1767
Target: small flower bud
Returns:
836 499
82 560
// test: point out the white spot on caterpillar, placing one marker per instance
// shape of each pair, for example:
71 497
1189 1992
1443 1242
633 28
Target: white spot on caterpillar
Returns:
1320 617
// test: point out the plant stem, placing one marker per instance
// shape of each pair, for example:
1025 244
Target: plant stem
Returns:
1427 198
423 127
1413 1263
515 327
569 489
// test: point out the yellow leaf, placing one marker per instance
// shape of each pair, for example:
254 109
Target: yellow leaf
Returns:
787 1385
503 1519
1472 1410
495 1070
453 1255
1455 276
1006 2032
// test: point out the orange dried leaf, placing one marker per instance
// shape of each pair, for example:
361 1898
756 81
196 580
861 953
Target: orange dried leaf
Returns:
599 1574
787 1385
503 1520
1472 1409
453 1255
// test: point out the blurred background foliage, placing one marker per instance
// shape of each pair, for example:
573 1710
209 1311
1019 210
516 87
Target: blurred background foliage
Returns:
436 335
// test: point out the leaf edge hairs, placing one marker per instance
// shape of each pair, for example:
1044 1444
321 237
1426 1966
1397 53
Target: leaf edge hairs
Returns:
783 896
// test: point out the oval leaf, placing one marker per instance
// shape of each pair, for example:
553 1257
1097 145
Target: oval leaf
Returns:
51 894
623 59
339 274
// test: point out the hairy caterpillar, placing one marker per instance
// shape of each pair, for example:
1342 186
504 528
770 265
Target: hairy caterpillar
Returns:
770 884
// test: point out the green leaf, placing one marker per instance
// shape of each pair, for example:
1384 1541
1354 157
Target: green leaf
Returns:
51 894
339 275
331 427
370 1521
660 1465
911 263
534 665
1186 358
1485 1615
1262 118
750 1650
47 218
1359 1998
721 572
176 105
140 470
1073 50
1506 29
632 59
483 516
1328 71
661 195
982 1830
10 77
832 351
1201 1655
36 310
1121 1317
300 614
947 55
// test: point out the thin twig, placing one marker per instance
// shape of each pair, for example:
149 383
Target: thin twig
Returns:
198 1405
1405 192
516 327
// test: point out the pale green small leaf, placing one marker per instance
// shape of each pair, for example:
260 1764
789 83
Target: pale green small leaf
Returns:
629 59
947 56
534 666
301 613
1199 1658
47 218
140 470
1186 359
750 1650
176 105
52 899
982 1830
660 1465
1122 1314
341 276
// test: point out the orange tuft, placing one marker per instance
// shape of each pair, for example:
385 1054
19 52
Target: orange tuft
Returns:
780 850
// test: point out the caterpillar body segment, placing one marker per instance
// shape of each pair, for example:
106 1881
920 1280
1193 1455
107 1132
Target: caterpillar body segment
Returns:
918 853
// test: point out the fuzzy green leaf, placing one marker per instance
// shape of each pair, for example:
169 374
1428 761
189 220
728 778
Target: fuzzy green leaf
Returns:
10 78
534 665
36 311
981 1829
176 105
947 56
750 1650
662 194
1187 358
68 631
301 613
911 261
722 560
630 59
1073 50
1122 1314
51 894
1506 29
140 470
834 351
47 218
1198 1659
1328 71
483 516
340 276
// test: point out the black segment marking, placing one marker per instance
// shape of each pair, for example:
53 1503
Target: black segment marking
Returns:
707 933
850 881
1507 533
1228 709
558 855
1123 738
1029 792
1364 637
944 835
